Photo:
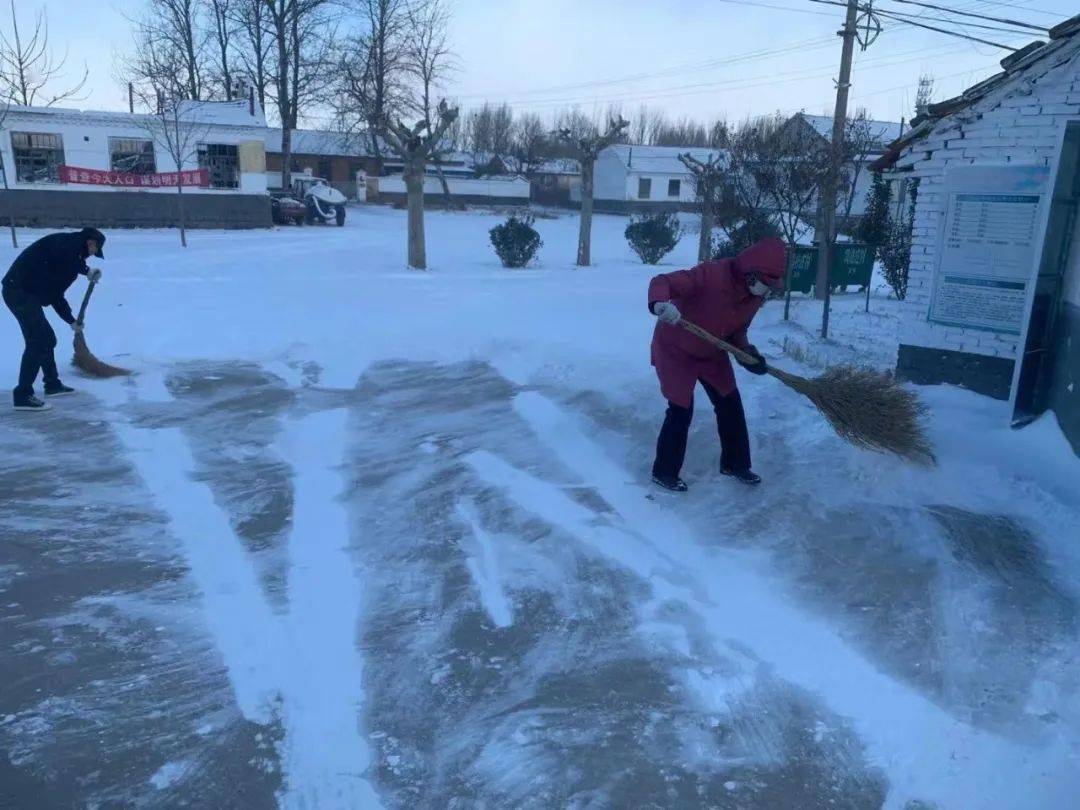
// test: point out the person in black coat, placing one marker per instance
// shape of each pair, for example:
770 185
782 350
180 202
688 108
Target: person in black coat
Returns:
38 278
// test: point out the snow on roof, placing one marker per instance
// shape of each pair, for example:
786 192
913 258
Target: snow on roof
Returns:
884 132
318 142
658 159
559 166
215 113
229 113
1027 65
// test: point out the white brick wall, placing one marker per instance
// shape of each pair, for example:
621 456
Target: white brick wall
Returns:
1020 122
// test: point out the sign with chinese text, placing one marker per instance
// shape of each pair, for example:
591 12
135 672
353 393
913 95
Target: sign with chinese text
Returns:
852 265
100 177
986 252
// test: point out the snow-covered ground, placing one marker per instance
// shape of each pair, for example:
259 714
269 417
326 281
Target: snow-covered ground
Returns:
356 535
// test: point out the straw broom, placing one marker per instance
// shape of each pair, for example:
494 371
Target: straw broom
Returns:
864 407
84 358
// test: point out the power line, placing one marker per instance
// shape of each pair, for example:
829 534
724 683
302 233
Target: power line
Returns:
1014 23
947 31
813 43
901 16
816 72
775 7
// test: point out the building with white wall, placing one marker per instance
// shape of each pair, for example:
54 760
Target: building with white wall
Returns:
993 300
631 178
67 168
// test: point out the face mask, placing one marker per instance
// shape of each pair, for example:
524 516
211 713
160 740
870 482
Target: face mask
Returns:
759 288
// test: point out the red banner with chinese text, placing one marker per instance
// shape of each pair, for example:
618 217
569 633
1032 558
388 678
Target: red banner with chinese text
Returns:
98 177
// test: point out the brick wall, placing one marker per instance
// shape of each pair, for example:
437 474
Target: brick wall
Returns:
133 209
1019 123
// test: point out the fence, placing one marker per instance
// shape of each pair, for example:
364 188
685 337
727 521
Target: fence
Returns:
463 189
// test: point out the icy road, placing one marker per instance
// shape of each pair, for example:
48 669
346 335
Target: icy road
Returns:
355 536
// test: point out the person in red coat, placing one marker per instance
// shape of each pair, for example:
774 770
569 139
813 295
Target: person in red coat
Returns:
721 296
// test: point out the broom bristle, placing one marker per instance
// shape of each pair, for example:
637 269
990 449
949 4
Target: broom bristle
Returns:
85 360
868 409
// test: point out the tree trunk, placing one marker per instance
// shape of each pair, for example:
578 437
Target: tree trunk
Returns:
585 231
414 185
180 210
704 250
10 204
286 156
445 187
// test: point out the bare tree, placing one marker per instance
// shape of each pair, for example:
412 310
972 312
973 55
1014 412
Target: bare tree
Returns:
177 130
28 67
372 74
490 130
224 30
924 94
170 52
586 149
414 145
531 144
301 55
255 43
645 124
429 60
861 140
708 180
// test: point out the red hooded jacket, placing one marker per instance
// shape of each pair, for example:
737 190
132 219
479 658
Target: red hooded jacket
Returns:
714 295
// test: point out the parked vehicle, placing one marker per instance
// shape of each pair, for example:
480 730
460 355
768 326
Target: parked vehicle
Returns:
324 203
287 210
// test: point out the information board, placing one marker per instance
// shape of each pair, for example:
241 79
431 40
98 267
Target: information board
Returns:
986 255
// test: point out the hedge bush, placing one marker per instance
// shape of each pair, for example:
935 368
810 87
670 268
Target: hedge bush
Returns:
653 236
516 240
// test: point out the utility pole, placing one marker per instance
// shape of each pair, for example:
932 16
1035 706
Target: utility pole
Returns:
827 238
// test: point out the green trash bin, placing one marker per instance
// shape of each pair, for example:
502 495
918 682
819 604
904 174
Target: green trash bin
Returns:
852 264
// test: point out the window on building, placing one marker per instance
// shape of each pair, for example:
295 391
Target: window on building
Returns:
132 155
38 156
644 188
222 161
674 188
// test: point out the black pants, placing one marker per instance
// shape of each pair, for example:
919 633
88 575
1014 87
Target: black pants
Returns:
40 341
730 424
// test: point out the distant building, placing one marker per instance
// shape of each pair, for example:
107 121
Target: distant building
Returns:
339 157
630 178
880 135
69 168
993 301
334 156
554 182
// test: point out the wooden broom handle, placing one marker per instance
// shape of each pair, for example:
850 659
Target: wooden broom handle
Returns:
723 345
85 303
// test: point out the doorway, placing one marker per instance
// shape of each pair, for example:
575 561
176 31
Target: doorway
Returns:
1062 245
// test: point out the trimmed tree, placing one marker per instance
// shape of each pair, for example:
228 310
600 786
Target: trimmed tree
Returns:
414 146
586 149
708 180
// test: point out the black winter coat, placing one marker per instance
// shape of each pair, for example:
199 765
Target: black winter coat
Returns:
47 268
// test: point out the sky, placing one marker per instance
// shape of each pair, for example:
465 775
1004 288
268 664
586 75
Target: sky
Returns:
699 58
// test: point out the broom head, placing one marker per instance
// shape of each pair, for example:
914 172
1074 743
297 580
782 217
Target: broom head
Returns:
869 409
85 360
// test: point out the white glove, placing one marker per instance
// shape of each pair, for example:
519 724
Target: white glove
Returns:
667 312
93 274
76 327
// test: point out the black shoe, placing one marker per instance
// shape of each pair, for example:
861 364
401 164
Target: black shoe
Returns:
744 476
31 403
58 390
675 484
